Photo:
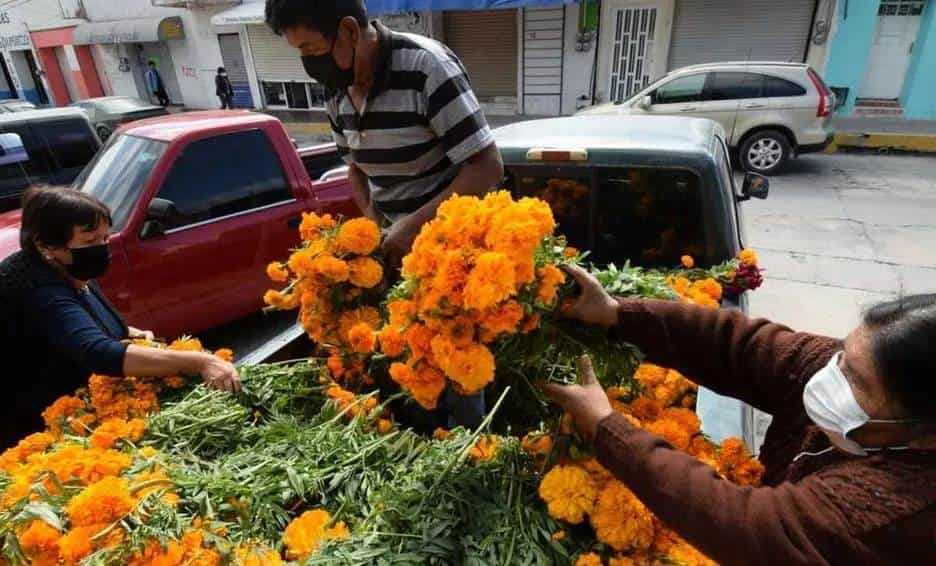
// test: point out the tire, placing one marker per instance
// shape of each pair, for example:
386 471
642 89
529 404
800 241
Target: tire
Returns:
765 152
103 132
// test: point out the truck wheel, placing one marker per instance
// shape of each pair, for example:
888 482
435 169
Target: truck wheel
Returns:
103 132
765 152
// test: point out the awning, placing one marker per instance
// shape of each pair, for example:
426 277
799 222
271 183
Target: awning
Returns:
252 12
129 31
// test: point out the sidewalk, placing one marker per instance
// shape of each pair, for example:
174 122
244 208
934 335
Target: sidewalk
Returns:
884 134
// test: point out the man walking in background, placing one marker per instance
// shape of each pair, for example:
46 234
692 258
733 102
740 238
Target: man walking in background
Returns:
224 89
404 117
155 83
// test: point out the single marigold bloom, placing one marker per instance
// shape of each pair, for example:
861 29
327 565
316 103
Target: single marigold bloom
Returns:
358 236
114 429
257 556
361 338
419 339
335 364
313 225
440 434
643 408
569 493
732 453
58 412
502 319
225 354
279 300
402 313
39 537
304 534
671 432
76 544
599 474
330 268
570 252
391 341
650 375
747 257
588 559
485 448
102 502
277 272
365 272
471 367
685 418
350 319
620 520
551 277
491 281
537 444
687 261
425 383
750 472
384 426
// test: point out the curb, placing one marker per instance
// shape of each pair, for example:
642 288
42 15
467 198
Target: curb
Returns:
883 142
308 127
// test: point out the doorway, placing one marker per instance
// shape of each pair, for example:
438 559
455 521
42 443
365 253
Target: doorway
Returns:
7 87
232 55
30 78
42 97
896 31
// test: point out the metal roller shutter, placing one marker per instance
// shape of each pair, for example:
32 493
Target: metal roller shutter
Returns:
486 42
233 57
273 58
706 31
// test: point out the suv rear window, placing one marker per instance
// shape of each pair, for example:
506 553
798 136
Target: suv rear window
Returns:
777 87
650 216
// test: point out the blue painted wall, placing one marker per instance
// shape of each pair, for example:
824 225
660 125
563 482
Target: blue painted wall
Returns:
919 91
851 45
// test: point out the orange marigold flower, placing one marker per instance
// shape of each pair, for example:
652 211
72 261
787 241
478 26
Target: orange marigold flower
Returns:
550 279
257 556
570 252
491 281
599 474
425 383
402 313
186 345
358 236
313 225
102 502
747 257
419 339
331 269
708 286
391 341
335 364
365 272
279 300
671 432
277 272
620 520
644 408
57 413
732 453
750 472
114 429
352 318
384 426
687 261
588 559
470 367
530 323
558 535
569 493
537 444
485 448
361 338
303 535
685 418
440 434
39 537
650 375
76 544
225 354
36 442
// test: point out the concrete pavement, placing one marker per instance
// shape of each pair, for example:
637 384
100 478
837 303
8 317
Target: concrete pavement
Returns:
840 232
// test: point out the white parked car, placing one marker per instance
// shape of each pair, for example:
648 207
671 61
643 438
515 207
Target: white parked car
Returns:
771 112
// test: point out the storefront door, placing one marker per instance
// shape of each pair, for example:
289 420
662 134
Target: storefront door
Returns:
233 57
159 52
35 76
897 27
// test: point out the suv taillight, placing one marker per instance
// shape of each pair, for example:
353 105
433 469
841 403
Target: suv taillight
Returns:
825 101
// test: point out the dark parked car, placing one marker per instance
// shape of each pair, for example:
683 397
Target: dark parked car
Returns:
107 113
58 143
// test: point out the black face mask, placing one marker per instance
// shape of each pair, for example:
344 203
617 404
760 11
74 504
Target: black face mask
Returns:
326 71
89 263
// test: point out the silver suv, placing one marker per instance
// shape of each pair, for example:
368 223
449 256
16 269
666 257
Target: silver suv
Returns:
770 111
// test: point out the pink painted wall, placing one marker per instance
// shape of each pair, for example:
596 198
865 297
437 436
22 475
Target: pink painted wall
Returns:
88 81
54 76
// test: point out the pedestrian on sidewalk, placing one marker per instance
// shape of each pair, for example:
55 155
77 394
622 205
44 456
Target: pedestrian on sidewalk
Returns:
404 118
156 86
224 89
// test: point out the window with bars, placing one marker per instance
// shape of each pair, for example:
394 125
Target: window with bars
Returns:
901 7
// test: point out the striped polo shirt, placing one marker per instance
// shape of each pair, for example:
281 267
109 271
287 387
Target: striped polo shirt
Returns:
420 122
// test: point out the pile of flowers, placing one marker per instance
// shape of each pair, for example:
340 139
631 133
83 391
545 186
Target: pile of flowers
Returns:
580 490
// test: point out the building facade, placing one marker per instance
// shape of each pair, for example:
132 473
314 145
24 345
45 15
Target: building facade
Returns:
20 74
884 53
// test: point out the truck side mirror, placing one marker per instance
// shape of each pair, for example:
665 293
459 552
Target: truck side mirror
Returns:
645 102
754 186
161 212
12 149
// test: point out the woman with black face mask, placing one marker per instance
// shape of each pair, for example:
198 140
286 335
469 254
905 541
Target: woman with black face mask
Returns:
59 328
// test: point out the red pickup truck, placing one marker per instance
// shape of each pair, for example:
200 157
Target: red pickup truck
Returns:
201 202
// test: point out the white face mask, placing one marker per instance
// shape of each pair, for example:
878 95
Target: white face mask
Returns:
831 404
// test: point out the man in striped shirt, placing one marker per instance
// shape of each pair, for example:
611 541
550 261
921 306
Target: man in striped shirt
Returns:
402 113
406 121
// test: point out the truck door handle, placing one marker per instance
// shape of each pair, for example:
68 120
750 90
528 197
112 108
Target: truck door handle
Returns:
754 105
688 109
294 222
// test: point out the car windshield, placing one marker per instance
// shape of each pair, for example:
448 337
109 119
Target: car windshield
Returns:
117 174
646 215
122 105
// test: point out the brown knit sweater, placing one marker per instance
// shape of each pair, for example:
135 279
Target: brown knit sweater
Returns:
828 509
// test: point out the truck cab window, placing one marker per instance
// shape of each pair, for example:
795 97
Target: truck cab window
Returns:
568 192
246 174
72 145
17 177
318 164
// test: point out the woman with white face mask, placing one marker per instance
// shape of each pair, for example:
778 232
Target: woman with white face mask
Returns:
850 455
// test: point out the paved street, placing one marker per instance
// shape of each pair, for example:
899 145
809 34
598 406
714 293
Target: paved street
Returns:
840 232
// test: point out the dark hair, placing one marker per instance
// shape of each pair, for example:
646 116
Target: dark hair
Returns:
51 214
152 63
903 335
321 15
220 69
